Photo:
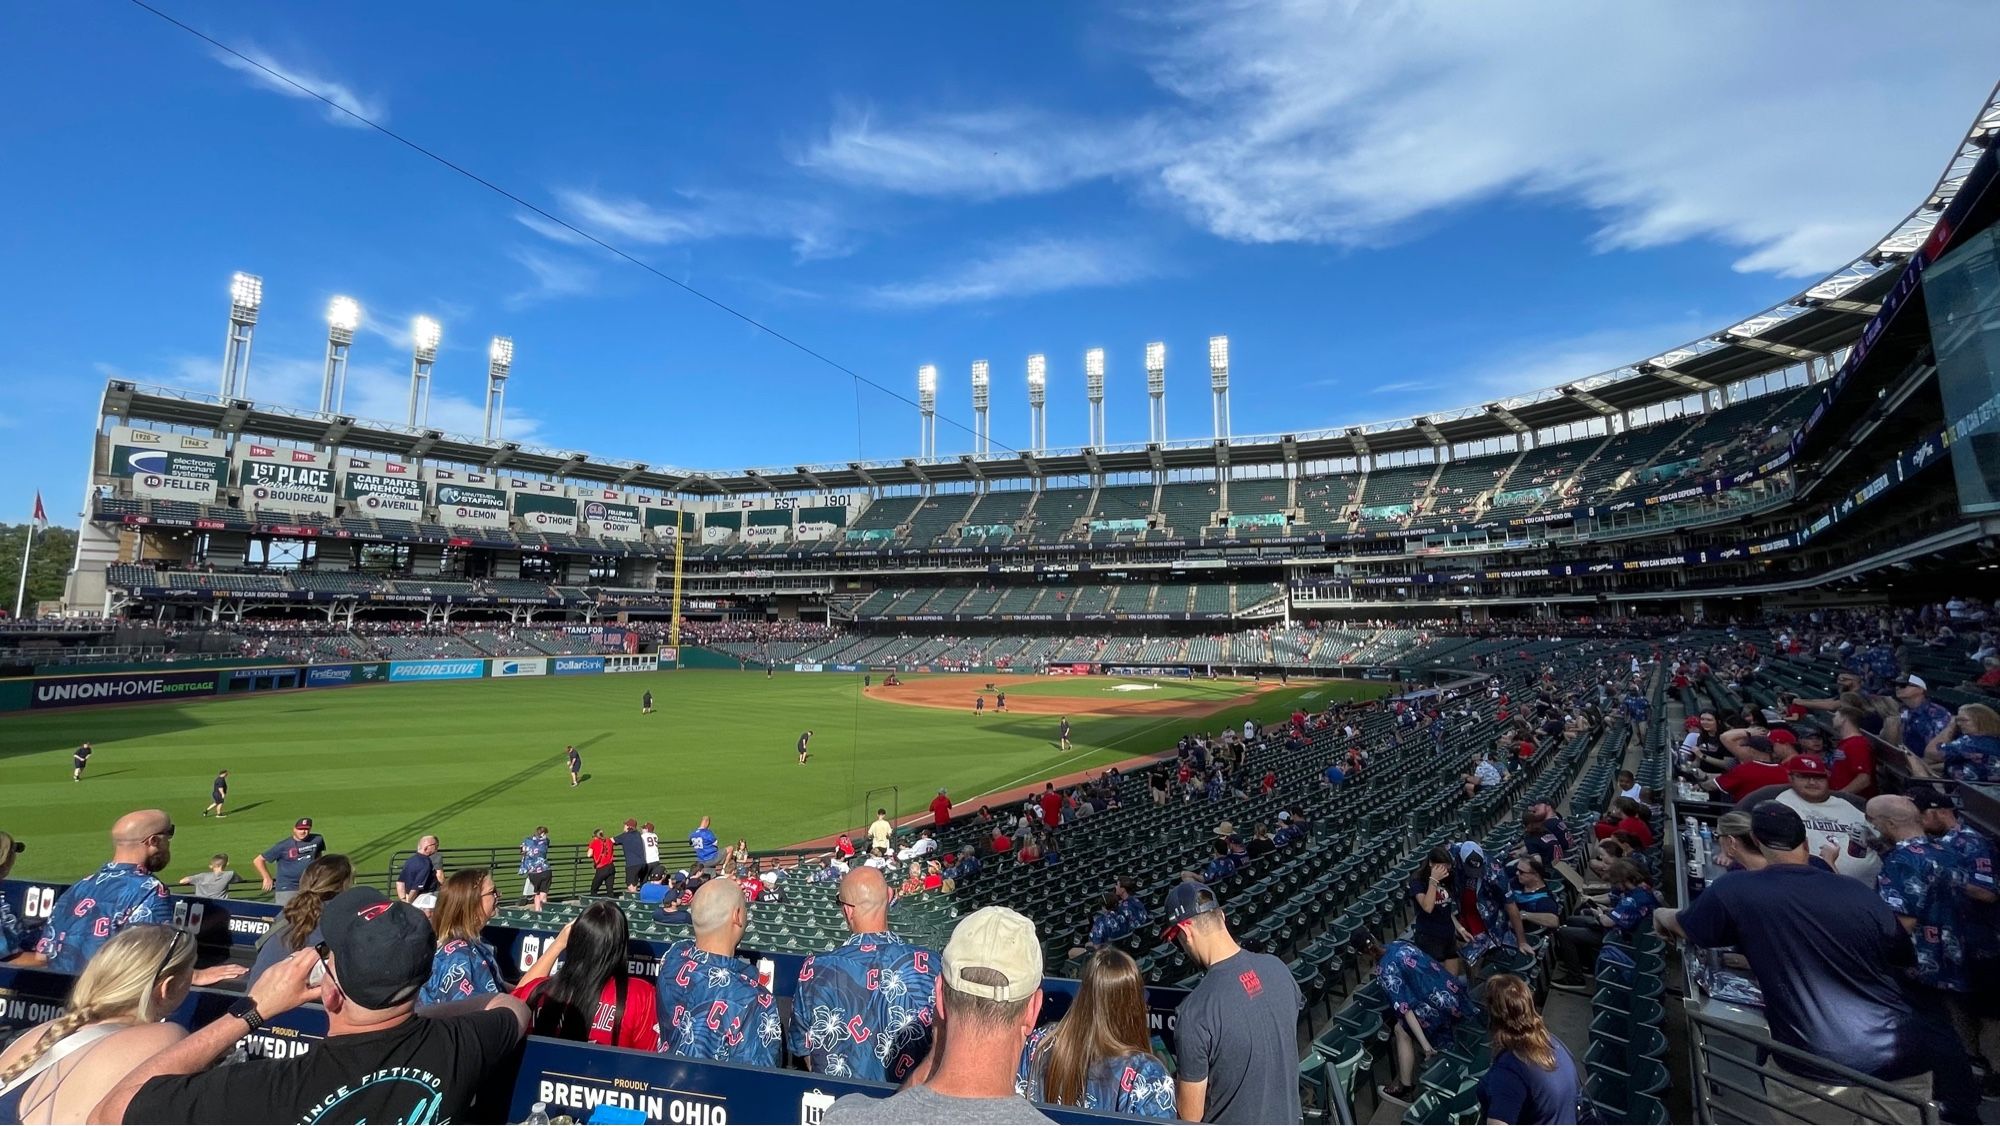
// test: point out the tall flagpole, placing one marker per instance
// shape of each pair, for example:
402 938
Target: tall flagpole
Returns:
21 588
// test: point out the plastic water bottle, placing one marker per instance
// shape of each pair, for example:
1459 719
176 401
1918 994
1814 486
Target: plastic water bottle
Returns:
538 1115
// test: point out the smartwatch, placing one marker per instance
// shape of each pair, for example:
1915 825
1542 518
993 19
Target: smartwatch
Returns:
245 1009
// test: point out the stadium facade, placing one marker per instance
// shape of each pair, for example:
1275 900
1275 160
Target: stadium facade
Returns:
1829 439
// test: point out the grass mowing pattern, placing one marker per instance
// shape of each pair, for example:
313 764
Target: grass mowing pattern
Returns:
481 763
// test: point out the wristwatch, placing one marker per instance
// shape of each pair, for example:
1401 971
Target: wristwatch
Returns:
245 1009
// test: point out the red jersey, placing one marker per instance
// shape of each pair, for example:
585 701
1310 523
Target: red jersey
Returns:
1527 748
941 811
1003 843
1051 808
1745 778
1854 757
602 852
640 1027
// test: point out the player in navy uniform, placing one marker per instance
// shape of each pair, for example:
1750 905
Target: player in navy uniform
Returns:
1000 702
803 753
79 759
1064 733
646 704
979 705
575 758
218 792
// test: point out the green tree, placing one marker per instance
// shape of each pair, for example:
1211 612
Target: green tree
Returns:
47 571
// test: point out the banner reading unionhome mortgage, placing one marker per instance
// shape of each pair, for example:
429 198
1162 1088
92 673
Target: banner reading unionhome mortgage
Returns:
121 688
381 488
286 479
169 466
542 507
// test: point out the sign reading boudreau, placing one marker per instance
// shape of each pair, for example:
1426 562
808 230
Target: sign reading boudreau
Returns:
286 479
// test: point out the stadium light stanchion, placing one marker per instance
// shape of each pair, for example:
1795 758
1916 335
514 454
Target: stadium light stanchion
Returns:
982 427
1093 385
424 337
1156 391
1038 395
343 316
674 621
499 361
927 411
1218 381
246 296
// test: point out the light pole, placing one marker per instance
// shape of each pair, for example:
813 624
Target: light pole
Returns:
1156 391
499 360
927 410
982 428
424 337
343 316
246 295
1218 380
1093 384
1038 394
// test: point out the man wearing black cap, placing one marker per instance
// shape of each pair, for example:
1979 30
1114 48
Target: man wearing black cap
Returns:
1973 879
380 1062
291 856
1823 948
1237 1032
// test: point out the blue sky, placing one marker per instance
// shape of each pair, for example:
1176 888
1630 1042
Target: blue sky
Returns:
1389 208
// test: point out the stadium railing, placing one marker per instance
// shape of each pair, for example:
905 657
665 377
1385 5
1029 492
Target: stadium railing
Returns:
570 869
1736 1069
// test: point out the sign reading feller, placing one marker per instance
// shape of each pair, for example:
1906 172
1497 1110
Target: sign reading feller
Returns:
118 688
464 504
169 466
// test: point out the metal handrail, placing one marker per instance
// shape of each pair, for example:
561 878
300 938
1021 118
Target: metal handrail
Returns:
1748 1077
570 867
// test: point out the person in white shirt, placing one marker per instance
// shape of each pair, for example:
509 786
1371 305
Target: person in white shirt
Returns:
923 846
881 830
1836 829
650 840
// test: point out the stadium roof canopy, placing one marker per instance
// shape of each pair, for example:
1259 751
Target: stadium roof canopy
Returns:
1812 326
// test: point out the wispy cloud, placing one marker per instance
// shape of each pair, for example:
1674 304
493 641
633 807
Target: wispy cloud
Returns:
1043 265
1346 123
267 73
553 277
815 229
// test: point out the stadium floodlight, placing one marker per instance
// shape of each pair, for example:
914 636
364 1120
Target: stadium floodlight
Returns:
343 316
1156 391
927 410
425 335
499 362
982 433
1218 381
246 296
1093 384
1038 393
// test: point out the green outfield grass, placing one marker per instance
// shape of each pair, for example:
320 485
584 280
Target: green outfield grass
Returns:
481 763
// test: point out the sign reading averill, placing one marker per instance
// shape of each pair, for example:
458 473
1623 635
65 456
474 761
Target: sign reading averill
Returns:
170 466
286 479
387 489
542 506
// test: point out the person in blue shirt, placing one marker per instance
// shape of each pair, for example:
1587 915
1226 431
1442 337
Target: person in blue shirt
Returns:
1106 927
1429 1001
1130 905
703 842
1532 908
1966 749
463 965
1099 1055
1578 942
655 890
863 1010
1533 1077
710 1004
1972 880
121 894
13 937
1219 867
291 856
535 864
420 872
1922 716
1334 776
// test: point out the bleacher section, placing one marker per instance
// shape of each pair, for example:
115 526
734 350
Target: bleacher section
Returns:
1188 508
1056 512
1389 496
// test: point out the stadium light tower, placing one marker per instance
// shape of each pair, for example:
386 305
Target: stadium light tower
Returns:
424 337
246 296
499 360
1156 391
1218 379
1093 384
343 316
927 410
1038 395
982 428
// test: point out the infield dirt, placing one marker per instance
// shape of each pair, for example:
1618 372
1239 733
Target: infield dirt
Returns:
956 693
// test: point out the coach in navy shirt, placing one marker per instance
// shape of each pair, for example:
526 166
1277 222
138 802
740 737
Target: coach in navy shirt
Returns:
1824 949
291 856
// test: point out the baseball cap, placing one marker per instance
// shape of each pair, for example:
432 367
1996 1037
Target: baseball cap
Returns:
1002 942
631 823
1809 731
1780 735
381 947
1188 899
1806 764
1912 681
1776 825
303 823
1929 797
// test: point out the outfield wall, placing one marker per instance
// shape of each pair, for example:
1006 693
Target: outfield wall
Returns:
143 684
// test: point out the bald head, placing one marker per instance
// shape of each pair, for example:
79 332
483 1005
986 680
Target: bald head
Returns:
865 895
143 837
1896 816
716 907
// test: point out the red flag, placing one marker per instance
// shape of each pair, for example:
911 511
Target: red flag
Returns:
41 516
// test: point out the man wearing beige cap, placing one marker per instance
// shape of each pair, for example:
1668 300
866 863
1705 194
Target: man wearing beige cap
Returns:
988 999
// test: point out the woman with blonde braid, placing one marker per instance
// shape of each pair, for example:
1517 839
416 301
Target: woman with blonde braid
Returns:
115 1020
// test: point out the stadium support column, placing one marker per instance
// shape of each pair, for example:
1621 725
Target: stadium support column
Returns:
343 316
246 295
1038 395
499 361
1093 384
982 427
927 411
424 337
1156 392
1218 380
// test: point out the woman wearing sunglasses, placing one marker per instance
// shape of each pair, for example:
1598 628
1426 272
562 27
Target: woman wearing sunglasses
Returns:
464 966
114 1021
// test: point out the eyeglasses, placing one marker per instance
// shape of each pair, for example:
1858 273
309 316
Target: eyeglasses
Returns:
173 946
490 893
168 833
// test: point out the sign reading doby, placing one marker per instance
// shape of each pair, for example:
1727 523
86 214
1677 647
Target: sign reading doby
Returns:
605 518
169 466
290 480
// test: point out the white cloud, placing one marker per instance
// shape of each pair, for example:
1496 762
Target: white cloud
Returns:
815 229
1042 265
554 277
267 73
1301 121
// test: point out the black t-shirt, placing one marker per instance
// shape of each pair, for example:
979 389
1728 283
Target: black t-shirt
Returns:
1824 948
1237 1033
1435 923
633 845
423 1070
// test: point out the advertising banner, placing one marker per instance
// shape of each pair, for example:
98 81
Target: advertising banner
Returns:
329 676
286 478
764 533
520 666
169 466
575 666
122 688
466 669
605 518
471 505
634 662
382 488
544 512
812 533
713 535
1117 525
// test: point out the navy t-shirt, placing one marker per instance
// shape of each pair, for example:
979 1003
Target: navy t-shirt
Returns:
1515 1090
1435 923
1824 948
633 845
419 874
290 858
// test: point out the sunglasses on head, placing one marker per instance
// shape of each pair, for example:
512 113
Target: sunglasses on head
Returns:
173 947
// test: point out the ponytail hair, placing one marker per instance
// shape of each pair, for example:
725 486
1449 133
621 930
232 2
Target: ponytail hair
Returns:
119 983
